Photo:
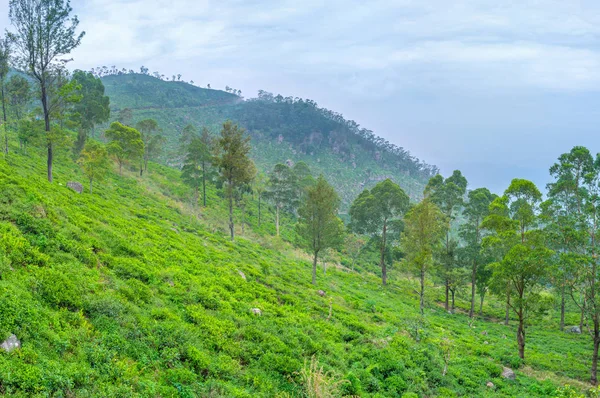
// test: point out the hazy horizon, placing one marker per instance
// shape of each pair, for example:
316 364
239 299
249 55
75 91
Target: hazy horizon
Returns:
497 91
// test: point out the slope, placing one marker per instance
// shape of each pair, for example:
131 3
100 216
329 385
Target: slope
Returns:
125 293
282 129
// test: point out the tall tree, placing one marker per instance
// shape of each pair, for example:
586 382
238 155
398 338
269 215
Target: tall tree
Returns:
374 212
94 161
421 240
282 191
514 220
94 107
195 167
475 211
235 166
319 226
4 68
18 91
44 32
448 195
153 141
125 144
259 187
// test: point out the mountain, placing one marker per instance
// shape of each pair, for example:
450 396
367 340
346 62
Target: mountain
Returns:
126 292
283 129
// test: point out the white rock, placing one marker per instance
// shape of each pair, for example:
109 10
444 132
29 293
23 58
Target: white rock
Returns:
508 373
256 311
11 343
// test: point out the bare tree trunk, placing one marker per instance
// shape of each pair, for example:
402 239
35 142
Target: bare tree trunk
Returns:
582 317
507 312
422 293
452 291
382 260
47 126
314 269
231 226
521 335
594 378
473 281
562 308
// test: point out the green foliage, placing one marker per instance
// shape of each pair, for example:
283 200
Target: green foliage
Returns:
94 161
124 143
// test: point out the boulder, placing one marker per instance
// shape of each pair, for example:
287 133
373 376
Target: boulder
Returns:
508 373
11 343
321 293
489 384
75 186
573 329
256 311
484 333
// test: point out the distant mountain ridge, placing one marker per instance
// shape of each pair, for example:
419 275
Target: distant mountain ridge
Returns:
283 129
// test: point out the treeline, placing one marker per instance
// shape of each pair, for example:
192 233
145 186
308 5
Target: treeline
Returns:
307 125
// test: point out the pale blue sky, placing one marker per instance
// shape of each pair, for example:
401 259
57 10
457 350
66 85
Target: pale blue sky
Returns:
497 88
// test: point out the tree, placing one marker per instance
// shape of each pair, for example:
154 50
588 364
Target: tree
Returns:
282 191
319 226
374 212
125 143
475 211
448 196
235 166
149 129
424 227
44 32
125 116
94 161
514 220
4 68
94 107
194 169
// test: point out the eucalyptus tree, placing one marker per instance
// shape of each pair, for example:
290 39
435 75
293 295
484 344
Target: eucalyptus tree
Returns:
235 166
153 141
378 210
421 240
318 226
514 220
448 194
475 211
45 32
282 191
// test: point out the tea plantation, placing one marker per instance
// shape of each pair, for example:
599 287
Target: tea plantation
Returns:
127 293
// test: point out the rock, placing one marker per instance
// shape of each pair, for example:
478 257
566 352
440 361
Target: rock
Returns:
485 342
75 186
321 293
242 274
11 343
573 329
256 311
508 373
489 384
504 336
484 333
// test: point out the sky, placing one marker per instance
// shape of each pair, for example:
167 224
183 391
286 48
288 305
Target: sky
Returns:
495 88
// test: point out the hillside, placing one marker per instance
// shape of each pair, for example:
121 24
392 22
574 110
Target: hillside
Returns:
124 293
282 129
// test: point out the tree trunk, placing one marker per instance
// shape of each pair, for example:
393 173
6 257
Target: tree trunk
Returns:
521 335
473 281
422 293
594 378
204 186
447 303
4 118
314 268
562 308
91 189
582 317
142 169
47 127
277 219
231 212
446 266
382 259
452 307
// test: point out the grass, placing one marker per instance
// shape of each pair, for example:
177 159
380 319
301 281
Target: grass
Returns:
128 293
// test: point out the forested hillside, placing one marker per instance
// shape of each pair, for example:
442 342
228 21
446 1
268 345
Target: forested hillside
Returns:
282 129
